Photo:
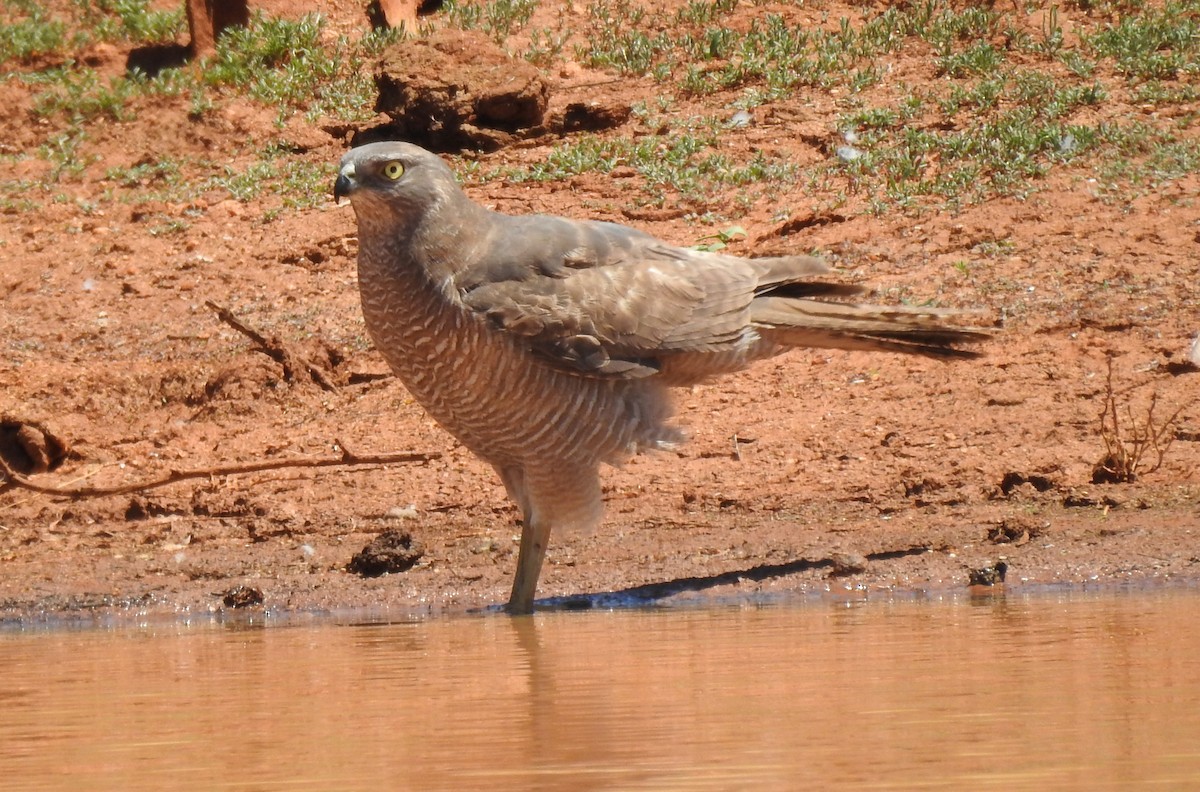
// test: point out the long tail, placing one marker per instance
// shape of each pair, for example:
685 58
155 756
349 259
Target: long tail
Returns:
802 322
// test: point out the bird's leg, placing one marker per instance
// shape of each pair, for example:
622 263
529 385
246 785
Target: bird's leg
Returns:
533 542
535 538
566 495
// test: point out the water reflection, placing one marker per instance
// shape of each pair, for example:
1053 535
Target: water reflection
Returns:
1082 692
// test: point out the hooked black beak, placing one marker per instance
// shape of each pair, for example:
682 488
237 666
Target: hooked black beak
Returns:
345 183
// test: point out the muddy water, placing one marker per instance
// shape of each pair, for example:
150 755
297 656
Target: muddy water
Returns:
1040 693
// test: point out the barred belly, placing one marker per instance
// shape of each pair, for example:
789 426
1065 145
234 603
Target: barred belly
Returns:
496 397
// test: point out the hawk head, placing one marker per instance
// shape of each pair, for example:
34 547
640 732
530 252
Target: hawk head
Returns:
395 182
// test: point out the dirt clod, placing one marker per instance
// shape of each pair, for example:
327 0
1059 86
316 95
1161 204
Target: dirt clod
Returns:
1013 480
1015 530
845 564
457 90
989 575
29 447
242 597
391 551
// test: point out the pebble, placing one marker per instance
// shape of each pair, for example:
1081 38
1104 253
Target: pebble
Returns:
408 512
848 153
847 563
741 119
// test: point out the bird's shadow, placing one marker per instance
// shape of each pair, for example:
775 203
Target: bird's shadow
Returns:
650 594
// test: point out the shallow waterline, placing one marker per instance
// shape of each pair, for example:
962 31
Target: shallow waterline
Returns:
1063 690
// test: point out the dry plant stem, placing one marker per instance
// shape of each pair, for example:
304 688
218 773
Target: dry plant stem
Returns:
1123 457
275 349
1115 453
14 479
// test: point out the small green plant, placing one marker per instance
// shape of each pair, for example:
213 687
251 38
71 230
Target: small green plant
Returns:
80 94
626 51
972 23
498 18
1052 33
65 153
684 161
298 183
273 60
168 226
1077 64
719 240
995 248
997 124
980 58
35 31
545 46
127 20
1153 44
1158 92
145 173
35 34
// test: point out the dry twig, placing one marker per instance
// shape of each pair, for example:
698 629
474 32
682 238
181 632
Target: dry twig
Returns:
1124 456
275 349
10 478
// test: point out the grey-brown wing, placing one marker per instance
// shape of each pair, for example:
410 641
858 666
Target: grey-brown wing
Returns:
607 300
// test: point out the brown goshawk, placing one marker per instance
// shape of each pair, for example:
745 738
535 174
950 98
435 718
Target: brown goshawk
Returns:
548 346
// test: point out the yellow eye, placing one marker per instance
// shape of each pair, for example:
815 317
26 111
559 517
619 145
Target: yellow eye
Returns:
393 170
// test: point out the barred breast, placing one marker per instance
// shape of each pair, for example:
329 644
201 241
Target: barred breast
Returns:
501 401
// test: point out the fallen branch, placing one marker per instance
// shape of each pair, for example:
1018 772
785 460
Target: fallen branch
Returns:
276 350
10 478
